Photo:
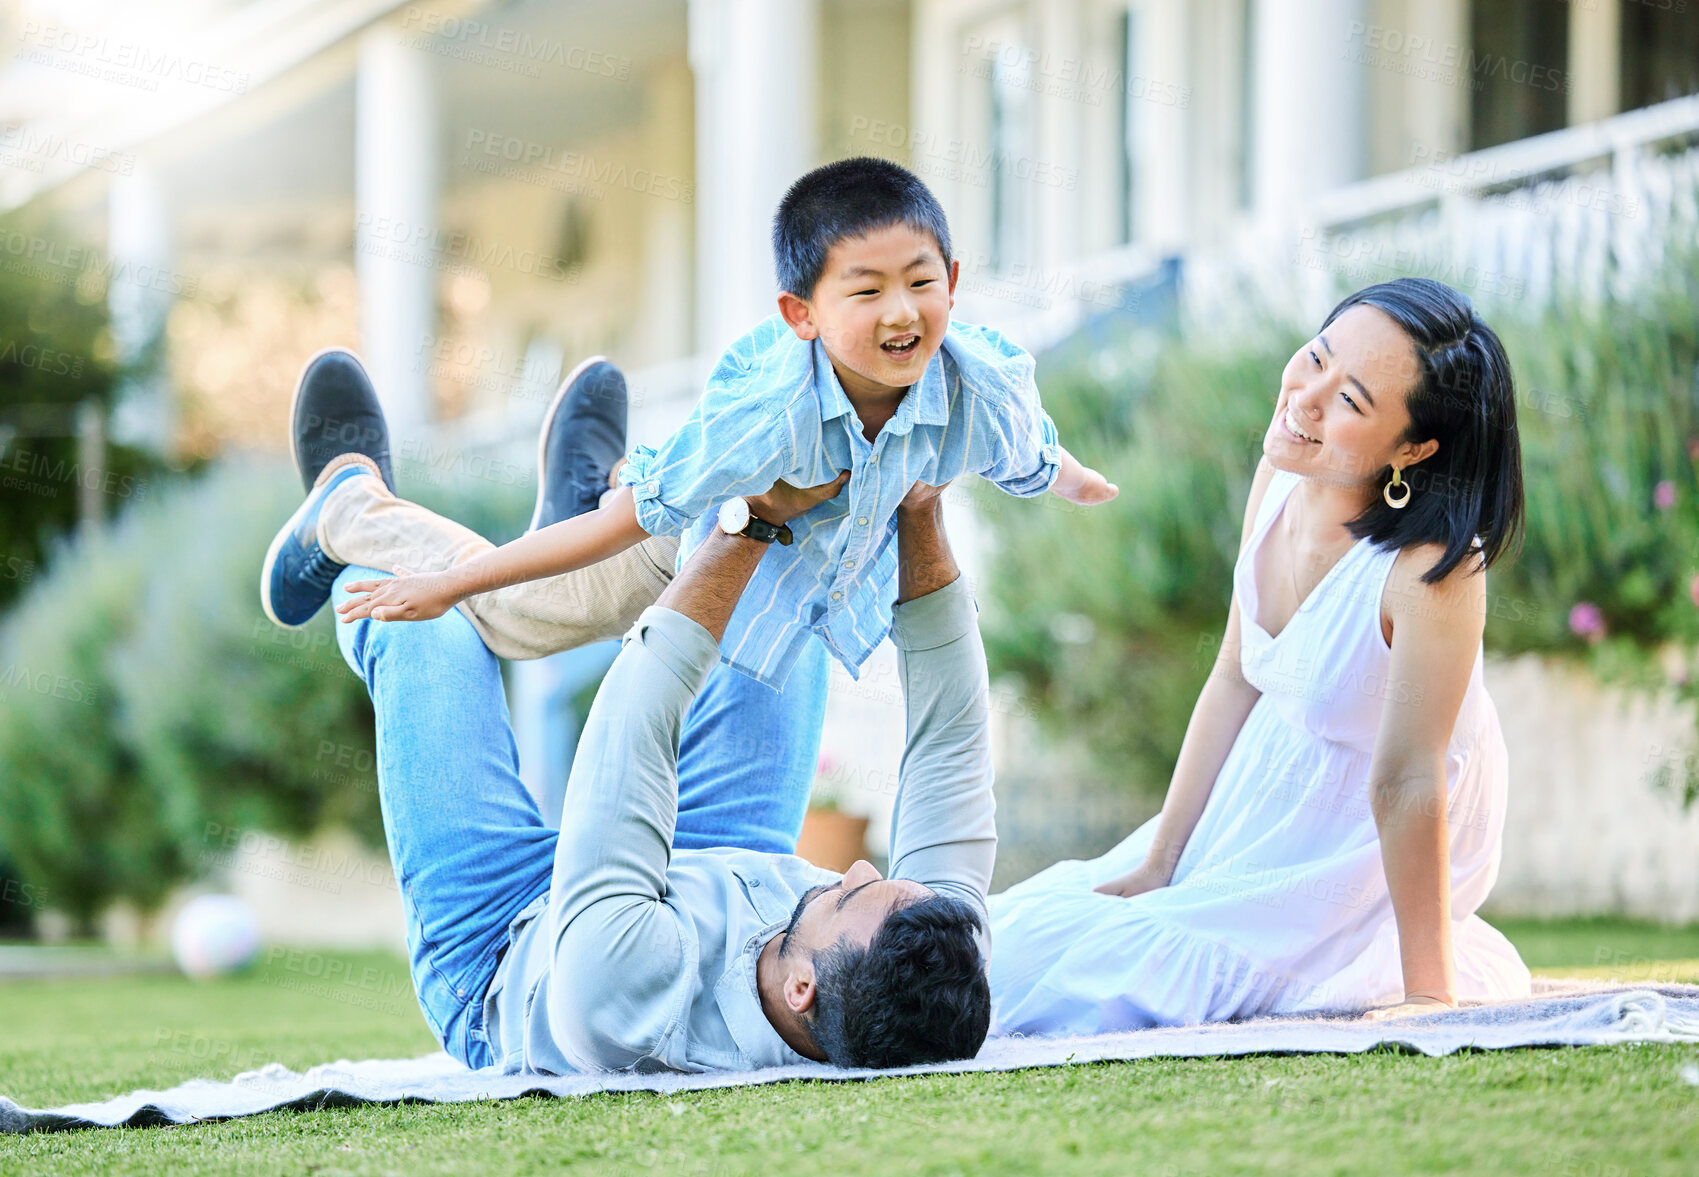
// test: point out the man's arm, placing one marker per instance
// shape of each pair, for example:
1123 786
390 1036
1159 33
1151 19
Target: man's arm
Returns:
708 589
622 798
620 956
943 832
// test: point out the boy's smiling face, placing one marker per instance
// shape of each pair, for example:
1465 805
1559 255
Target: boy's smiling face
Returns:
881 307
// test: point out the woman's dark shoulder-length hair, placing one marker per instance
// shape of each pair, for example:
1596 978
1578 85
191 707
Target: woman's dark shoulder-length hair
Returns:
1467 496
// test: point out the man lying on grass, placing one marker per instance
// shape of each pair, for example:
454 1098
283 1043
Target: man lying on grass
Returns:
601 945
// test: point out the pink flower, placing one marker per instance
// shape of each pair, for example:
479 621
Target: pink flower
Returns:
1587 621
1663 495
826 765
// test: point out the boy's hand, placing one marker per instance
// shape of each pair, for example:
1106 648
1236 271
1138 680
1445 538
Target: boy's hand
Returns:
1081 484
1088 489
404 597
785 502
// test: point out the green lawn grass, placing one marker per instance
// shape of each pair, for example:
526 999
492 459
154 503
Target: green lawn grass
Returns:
1597 1112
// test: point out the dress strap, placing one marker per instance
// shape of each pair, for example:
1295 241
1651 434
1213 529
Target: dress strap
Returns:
1280 488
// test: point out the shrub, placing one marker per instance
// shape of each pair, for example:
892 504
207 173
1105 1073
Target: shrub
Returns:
1111 617
56 354
150 706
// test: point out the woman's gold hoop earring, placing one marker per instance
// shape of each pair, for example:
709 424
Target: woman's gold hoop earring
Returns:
1399 503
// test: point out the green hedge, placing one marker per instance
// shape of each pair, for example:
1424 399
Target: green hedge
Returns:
149 706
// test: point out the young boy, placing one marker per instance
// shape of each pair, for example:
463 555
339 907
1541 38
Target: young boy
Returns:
860 377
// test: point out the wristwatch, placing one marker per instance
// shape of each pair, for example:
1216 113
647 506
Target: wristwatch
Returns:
735 519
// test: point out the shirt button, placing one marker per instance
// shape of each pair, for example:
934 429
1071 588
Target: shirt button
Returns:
837 596
849 563
874 460
861 522
754 882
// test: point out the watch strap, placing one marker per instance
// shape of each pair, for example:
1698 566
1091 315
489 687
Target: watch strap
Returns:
760 529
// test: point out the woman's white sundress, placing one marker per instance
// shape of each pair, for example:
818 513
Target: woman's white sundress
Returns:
1279 902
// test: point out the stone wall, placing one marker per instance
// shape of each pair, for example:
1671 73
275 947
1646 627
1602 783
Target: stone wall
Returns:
1588 832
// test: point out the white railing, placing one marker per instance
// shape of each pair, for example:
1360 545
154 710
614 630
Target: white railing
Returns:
1584 211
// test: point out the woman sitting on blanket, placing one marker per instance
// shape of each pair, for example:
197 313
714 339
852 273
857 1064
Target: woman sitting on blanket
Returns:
1335 816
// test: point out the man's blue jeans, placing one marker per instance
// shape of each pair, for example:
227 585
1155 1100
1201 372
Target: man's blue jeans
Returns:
470 848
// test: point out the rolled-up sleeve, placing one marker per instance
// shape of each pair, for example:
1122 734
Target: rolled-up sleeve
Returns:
738 440
944 830
1019 450
1031 454
623 958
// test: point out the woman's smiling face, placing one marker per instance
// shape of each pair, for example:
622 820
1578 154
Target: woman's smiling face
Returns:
1342 412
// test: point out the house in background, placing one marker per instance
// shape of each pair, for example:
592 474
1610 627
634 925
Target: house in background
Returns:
485 191
476 194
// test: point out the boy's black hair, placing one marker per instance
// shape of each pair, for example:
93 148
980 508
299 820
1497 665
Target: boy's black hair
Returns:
916 994
849 198
1468 495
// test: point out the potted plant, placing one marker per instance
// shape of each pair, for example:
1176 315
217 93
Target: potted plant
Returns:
831 838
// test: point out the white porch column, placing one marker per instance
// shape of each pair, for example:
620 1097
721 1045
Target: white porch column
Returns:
1436 106
395 203
1309 122
1595 62
138 299
757 75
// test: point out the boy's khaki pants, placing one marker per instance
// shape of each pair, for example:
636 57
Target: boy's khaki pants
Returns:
362 523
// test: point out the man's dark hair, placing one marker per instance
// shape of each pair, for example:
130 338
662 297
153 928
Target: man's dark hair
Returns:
916 994
849 198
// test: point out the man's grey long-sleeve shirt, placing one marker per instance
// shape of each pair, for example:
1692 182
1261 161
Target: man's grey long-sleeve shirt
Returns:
643 957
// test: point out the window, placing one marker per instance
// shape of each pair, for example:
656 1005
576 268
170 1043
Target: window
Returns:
1517 70
1660 54
1011 88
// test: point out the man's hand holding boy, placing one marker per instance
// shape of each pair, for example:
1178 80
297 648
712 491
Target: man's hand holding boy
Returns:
785 502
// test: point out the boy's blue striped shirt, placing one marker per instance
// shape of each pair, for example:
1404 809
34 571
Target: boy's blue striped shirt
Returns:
773 409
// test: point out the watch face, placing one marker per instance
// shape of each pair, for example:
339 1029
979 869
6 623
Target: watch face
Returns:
734 516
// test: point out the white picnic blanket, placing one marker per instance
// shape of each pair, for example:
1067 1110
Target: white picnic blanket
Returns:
1560 1014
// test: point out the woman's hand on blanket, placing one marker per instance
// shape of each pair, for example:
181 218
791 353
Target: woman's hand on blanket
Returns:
405 597
1415 1003
1146 876
785 502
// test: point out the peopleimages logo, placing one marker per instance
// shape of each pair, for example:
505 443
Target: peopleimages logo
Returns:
28 141
42 359
599 173
426 246
485 44
45 683
54 261
150 65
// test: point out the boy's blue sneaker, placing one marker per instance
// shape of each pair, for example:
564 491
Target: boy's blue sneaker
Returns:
582 437
296 578
335 412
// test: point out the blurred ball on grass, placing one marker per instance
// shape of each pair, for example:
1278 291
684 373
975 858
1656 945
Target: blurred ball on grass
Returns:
215 935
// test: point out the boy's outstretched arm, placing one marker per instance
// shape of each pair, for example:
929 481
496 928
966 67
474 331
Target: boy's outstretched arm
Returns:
561 547
1081 484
